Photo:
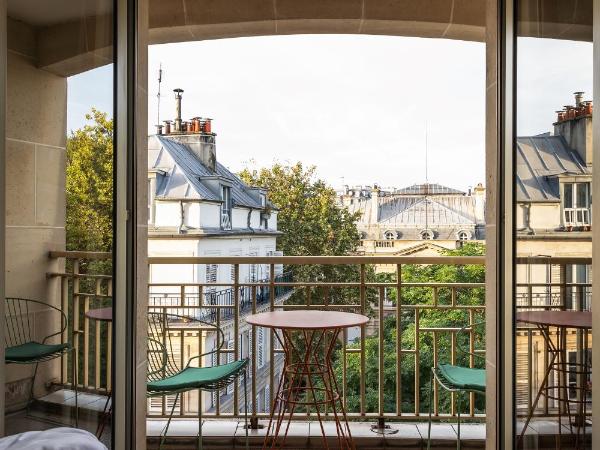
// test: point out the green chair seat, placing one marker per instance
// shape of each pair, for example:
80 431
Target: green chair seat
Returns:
196 377
463 377
32 352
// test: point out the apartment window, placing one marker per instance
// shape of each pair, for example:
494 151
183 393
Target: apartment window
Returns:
226 207
576 204
211 278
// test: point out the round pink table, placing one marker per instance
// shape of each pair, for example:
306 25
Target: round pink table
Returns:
561 321
308 340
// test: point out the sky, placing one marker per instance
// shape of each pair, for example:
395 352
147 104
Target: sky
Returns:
362 109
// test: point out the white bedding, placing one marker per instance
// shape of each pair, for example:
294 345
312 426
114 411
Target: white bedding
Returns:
54 439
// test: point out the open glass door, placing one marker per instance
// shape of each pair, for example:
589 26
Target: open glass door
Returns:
59 219
552 153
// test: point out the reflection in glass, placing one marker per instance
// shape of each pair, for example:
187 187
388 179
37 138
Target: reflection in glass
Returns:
553 153
59 177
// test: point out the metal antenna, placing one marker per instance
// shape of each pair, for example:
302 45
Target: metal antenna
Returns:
160 72
426 178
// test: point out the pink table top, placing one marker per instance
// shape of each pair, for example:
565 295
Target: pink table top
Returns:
566 319
105 314
307 319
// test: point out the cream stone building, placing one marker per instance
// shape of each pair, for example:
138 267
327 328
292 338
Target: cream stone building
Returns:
419 220
197 207
554 204
553 219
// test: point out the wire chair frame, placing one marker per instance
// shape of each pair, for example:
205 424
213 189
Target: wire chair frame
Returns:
437 376
161 363
20 330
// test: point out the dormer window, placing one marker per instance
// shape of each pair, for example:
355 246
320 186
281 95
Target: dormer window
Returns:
226 207
576 204
389 235
427 235
463 235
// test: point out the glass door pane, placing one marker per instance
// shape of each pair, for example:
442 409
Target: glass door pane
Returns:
59 221
553 158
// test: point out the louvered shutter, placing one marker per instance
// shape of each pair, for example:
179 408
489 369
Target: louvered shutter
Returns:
261 347
230 346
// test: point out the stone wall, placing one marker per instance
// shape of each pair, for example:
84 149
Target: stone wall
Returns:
35 194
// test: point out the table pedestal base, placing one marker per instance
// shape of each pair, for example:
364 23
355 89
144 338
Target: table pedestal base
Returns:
308 382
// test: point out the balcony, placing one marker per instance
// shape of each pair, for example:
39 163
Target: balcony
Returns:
375 387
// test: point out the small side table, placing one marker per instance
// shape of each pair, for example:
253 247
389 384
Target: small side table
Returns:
103 315
308 340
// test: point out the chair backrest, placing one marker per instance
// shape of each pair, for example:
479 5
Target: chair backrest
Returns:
20 326
162 340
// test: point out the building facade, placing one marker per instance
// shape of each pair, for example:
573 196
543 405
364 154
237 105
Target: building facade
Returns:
420 220
197 207
553 219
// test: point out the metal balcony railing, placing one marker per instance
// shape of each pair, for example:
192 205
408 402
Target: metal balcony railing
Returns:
382 366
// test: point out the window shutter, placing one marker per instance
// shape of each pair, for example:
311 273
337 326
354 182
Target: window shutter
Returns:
230 346
261 347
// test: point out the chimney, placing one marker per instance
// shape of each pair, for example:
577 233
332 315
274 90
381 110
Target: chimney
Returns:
178 93
374 205
575 126
159 129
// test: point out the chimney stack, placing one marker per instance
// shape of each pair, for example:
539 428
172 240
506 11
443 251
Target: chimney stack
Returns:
574 124
178 92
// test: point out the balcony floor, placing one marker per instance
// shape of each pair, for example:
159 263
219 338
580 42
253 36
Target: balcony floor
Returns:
230 434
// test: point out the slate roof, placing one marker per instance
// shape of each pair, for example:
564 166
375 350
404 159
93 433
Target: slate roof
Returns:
181 175
540 159
429 189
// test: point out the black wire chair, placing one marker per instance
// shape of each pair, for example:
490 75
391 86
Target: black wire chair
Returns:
165 377
22 347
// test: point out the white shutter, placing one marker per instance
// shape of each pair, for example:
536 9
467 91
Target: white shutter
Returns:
230 346
260 348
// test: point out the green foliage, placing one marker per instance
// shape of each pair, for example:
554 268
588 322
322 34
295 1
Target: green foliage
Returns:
428 318
90 185
312 224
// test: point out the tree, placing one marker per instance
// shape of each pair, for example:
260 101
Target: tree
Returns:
427 318
89 185
311 221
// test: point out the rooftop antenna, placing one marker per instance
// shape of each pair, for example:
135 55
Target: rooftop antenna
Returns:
426 177
160 72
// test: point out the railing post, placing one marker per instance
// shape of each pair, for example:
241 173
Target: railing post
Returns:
271 335
362 342
75 310
236 331
398 340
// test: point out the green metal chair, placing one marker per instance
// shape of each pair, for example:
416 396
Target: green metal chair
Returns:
21 346
166 378
457 379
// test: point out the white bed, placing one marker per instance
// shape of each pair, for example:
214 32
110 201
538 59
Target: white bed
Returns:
54 439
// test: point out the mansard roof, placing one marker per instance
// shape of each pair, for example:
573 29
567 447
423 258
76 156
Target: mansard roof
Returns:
540 159
182 176
428 189
428 211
